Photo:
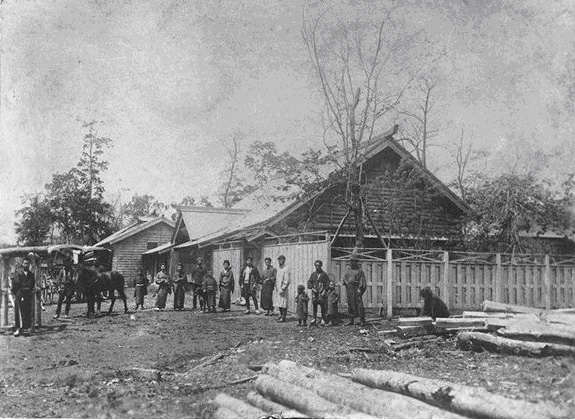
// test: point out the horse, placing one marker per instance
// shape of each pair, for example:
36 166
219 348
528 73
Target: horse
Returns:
94 282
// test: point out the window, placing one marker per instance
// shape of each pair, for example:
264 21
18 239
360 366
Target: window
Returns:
152 245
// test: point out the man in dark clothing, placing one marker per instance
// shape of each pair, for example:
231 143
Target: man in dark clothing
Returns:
249 282
433 306
198 276
22 288
355 285
65 290
318 283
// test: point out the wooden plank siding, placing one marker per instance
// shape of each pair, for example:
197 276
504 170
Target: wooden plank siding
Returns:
127 254
430 216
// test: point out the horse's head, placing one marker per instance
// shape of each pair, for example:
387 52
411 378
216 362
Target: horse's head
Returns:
83 276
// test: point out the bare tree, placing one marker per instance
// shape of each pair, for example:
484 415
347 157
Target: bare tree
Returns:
420 127
351 73
465 154
233 153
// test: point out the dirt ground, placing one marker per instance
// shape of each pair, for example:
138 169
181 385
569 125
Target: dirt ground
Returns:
148 364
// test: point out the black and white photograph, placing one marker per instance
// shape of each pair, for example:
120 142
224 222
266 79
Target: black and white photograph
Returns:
287 209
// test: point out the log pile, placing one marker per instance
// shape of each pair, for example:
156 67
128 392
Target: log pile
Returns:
288 390
522 331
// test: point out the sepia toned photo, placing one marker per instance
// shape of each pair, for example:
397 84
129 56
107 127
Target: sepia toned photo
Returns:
287 209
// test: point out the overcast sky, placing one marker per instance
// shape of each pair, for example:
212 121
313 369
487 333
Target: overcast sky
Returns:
172 81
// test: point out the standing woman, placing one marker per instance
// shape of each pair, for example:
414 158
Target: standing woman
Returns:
180 288
268 275
164 288
282 290
141 288
226 287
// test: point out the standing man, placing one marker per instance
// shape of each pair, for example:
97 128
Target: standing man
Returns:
318 283
249 281
282 288
355 285
65 290
199 274
22 288
179 288
268 285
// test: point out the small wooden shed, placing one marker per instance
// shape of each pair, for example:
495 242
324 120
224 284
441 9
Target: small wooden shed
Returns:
128 244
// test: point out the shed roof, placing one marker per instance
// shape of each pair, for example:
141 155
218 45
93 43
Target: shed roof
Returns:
134 228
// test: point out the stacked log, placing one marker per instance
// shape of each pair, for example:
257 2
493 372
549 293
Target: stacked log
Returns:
526 331
288 390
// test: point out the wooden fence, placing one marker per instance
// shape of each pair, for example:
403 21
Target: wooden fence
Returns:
462 280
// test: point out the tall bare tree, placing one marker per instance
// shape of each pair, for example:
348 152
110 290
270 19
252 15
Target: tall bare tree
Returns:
351 70
420 127
233 153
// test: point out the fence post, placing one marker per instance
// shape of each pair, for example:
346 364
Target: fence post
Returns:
389 257
446 278
498 273
547 282
3 293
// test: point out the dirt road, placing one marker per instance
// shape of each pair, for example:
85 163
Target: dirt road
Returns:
153 364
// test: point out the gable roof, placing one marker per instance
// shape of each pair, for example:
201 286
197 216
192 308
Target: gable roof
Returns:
274 201
200 221
134 228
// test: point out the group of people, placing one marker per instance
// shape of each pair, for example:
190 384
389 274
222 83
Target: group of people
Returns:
266 289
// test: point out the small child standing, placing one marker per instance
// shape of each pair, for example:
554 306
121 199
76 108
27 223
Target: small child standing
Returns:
209 289
301 303
332 302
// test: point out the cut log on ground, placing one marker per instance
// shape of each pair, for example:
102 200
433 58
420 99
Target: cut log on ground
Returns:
469 401
479 314
229 407
531 331
415 321
273 409
459 322
490 306
559 318
563 311
415 331
293 396
479 341
343 391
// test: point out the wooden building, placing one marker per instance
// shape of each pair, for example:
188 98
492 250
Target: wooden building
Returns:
128 244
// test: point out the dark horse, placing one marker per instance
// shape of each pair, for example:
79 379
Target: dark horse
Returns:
94 282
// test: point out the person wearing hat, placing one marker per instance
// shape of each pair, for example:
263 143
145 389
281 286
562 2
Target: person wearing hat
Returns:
318 283
283 280
199 273
22 288
355 285
249 281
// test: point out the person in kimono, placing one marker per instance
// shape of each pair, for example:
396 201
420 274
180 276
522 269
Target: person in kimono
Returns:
283 281
318 283
22 288
226 286
268 276
179 288
210 288
141 288
355 285
301 301
198 276
332 304
163 282
249 282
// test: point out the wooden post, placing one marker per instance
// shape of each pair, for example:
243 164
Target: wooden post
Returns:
547 282
3 292
389 257
498 275
446 278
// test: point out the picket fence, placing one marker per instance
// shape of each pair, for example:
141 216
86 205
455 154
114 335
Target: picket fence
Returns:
463 280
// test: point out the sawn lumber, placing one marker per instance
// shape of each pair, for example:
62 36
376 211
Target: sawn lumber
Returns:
490 306
465 400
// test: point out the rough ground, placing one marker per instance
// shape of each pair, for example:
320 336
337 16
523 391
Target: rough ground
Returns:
133 366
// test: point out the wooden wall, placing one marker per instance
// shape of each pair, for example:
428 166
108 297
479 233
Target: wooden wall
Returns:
414 213
127 254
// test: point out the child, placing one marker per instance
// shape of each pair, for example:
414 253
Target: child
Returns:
209 293
332 301
301 304
141 288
